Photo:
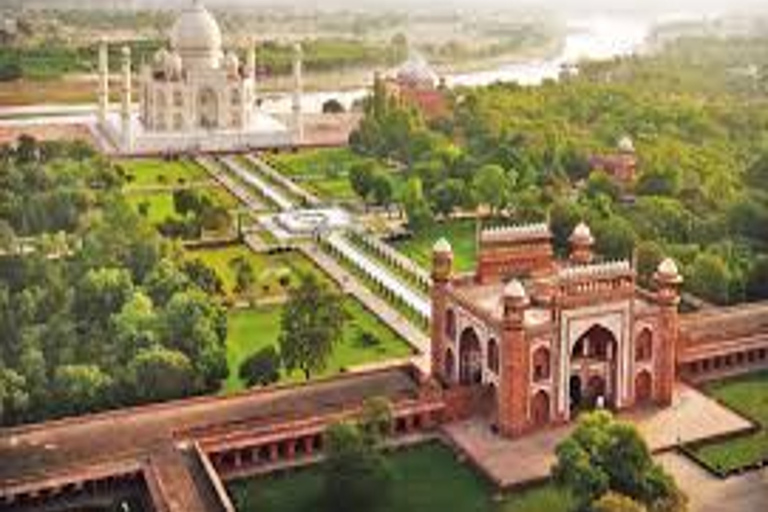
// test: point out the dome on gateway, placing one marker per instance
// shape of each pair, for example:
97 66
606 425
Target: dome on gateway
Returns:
196 35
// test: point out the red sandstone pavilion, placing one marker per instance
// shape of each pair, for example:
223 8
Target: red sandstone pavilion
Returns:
518 345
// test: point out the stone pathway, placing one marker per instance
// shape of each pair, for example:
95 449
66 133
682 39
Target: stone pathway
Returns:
289 185
509 463
250 177
386 313
235 188
416 301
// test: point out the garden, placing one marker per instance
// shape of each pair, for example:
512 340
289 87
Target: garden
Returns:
152 172
747 395
426 477
365 340
459 233
323 172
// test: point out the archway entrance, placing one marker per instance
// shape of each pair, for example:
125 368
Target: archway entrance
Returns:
592 381
470 358
208 108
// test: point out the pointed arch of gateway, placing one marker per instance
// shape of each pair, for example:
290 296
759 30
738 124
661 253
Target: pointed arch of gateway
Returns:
470 357
593 369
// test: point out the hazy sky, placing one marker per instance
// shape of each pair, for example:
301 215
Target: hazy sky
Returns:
706 6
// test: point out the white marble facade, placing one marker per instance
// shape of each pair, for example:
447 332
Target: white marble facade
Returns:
193 95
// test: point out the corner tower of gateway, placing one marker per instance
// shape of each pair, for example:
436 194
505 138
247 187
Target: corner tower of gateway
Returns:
193 95
541 339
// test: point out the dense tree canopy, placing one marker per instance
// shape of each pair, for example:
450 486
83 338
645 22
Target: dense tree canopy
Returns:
107 315
698 128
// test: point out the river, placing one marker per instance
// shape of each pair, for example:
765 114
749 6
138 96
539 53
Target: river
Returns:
594 38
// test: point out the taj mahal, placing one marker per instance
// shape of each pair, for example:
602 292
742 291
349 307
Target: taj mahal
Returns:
194 96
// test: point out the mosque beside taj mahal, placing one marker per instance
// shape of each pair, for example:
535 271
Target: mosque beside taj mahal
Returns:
193 96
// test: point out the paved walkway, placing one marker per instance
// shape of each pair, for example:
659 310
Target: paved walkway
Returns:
509 463
288 184
389 315
234 187
250 177
379 273
707 493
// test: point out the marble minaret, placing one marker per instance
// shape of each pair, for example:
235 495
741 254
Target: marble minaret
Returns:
103 81
125 109
298 122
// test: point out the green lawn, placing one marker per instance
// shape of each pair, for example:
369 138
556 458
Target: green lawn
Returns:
152 171
161 203
322 171
461 235
748 395
426 478
253 329
269 269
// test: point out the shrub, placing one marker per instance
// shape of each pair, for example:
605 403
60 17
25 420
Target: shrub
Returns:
261 368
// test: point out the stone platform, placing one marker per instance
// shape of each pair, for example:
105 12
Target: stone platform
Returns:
512 463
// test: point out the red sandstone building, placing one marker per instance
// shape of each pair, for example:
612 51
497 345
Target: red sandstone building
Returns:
621 165
536 337
546 338
417 85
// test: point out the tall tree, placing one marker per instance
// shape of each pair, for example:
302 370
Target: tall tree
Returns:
312 322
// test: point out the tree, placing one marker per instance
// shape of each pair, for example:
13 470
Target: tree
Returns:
204 276
649 254
187 200
14 398
605 455
599 183
615 502
134 327
448 196
709 277
492 187
101 293
333 106
757 281
164 281
416 207
357 478
7 238
244 274
614 237
312 322
381 189
158 373
361 179
375 419
79 388
261 368
198 328
660 182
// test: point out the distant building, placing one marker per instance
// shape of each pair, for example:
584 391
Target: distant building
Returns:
416 83
547 338
193 96
621 165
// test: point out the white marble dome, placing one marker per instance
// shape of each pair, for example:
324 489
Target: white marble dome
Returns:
196 37
417 73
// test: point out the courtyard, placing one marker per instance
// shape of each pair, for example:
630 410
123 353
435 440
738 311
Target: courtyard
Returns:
748 395
426 477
